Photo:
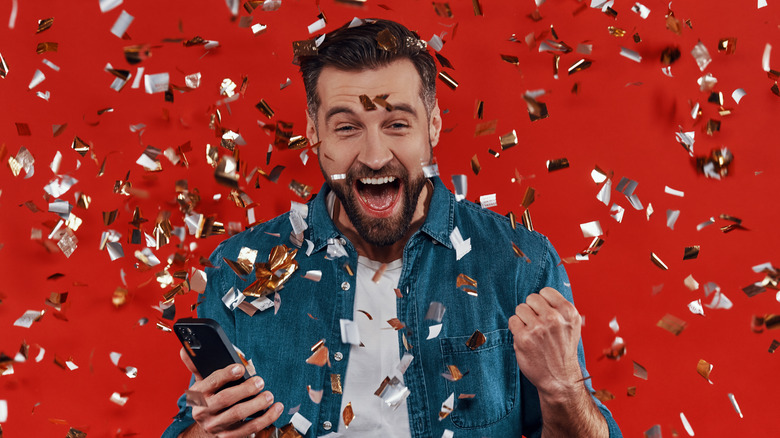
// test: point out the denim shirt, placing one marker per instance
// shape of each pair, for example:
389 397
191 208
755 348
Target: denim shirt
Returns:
505 403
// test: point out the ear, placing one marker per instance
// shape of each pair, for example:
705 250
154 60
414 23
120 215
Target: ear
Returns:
311 129
434 125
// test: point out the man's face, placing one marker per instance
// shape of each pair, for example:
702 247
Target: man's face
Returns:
373 160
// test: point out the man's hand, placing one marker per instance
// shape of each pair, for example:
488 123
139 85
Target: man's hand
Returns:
223 416
546 330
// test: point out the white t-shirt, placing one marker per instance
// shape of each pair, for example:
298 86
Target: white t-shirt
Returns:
377 359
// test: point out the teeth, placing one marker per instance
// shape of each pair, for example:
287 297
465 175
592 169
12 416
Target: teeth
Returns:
383 180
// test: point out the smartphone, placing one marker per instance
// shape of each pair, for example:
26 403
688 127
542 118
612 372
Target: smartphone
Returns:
209 348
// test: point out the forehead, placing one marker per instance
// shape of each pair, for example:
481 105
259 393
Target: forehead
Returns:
398 79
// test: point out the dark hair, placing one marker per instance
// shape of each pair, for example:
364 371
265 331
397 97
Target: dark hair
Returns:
358 48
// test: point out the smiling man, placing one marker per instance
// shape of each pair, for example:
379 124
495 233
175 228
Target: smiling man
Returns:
403 335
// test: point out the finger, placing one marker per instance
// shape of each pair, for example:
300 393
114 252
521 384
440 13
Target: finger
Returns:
218 379
188 363
256 425
234 416
234 394
552 296
560 303
538 304
525 314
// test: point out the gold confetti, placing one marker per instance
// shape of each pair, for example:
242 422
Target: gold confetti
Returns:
672 324
672 23
75 433
335 383
631 391
80 146
728 45
580 65
508 140
379 273
387 41
454 373
270 276
691 252
448 80
46 47
381 100
616 31
520 253
348 415
603 395
265 108
396 324
304 48
44 24
119 297
486 128
467 284
655 259
514 60
704 369
442 9
476 340
557 164
477 8
475 167
300 189
319 357
368 105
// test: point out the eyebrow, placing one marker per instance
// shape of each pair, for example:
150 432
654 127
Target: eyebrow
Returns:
403 107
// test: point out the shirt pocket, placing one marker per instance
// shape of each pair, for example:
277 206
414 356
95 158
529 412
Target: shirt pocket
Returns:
490 373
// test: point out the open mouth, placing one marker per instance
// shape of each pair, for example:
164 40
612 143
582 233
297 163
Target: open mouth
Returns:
378 195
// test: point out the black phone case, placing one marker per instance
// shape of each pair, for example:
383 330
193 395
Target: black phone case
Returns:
207 346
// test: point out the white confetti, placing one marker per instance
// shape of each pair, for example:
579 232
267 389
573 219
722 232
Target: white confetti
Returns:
121 24
433 331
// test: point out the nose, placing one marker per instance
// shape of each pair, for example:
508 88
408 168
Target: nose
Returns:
374 153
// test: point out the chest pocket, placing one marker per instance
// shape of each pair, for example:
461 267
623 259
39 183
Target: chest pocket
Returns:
490 374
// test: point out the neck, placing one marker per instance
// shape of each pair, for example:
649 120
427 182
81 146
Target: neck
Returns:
383 254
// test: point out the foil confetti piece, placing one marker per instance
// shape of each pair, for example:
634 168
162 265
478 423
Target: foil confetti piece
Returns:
319 356
557 164
672 324
435 311
701 55
735 405
387 41
630 54
641 9
300 423
462 247
578 66
691 283
314 395
466 284
121 24
658 262
347 415
704 369
476 340
448 80
671 218
335 383
349 332
528 197
640 371
447 407
696 308
508 140
392 392
433 331
486 128
591 229
691 252
28 318
453 374
107 5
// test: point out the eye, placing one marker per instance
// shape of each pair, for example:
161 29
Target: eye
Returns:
345 129
398 125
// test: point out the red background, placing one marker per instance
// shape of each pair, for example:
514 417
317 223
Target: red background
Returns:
623 119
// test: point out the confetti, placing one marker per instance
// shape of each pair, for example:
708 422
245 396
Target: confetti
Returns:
447 407
735 405
591 229
433 331
121 24
392 392
476 340
462 247
335 383
672 324
657 261
640 371
448 80
349 332
704 369
557 164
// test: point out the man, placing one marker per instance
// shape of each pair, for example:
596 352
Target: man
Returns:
499 355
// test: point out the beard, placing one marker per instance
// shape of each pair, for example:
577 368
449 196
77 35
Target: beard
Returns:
380 231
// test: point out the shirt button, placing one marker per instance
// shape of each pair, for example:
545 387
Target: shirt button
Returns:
327 425
345 285
342 241
338 356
